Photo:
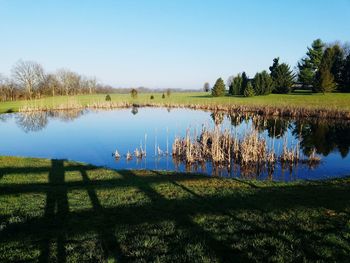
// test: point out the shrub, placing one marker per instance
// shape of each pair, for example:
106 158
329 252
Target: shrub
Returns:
133 93
163 96
152 97
108 98
219 88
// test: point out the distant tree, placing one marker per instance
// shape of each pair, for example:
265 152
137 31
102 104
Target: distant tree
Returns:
50 85
219 88
273 68
249 90
309 65
306 73
168 92
206 87
69 82
235 86
152 97
245 81
315 53
163 96
325 81
262 83
338 62
283 78
29 75
108 97
346 75
133 93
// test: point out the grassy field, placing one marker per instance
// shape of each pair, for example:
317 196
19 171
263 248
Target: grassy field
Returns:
340 101
54 210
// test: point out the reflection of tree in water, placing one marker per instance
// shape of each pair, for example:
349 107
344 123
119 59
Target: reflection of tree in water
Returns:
276 128
218 117
32 121
134 110
66 115
5 116
325 137
38 120
236 119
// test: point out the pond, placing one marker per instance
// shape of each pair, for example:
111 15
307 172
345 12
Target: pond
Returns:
93 136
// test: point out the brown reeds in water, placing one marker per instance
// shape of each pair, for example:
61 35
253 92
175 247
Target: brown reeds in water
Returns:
223 148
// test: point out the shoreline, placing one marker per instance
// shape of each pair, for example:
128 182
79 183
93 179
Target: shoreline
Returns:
267 111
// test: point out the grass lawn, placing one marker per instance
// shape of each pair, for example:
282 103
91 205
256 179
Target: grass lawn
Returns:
340 101
54 210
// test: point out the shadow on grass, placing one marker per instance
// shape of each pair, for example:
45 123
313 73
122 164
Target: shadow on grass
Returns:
247 224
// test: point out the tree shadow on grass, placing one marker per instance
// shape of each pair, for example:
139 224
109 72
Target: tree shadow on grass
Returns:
253 224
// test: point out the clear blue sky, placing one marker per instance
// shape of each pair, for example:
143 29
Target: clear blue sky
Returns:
165 43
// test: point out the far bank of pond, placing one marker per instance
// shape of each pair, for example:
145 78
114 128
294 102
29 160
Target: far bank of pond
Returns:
332 105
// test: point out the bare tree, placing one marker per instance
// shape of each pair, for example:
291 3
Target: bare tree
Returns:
69 81
29 75
51 85
206 87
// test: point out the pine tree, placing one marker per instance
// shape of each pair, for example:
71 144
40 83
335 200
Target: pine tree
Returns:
274 67
315 53
309 65
219 88
284 79
249 90
338 64
245 81
236 85
306 74
262 83
324 78
346 75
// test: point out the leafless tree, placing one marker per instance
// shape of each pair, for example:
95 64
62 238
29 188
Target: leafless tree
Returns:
29 75
69 81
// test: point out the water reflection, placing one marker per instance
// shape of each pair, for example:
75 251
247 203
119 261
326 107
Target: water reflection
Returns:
324 136
38 120
93 138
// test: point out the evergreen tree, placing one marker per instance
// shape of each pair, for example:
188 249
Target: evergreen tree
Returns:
306 74
284 79
315 53
236 85
309 65
346 75
274 67
337 64
219 88
245 81
324 77
249 90
262 83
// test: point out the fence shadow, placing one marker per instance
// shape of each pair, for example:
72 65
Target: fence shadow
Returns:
55 228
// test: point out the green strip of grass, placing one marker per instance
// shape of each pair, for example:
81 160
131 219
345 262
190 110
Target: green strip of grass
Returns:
54 210
338 101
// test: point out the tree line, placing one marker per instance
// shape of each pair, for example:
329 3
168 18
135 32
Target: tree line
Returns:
324 68
29 80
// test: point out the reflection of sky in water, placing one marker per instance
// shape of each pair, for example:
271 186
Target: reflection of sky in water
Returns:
93 137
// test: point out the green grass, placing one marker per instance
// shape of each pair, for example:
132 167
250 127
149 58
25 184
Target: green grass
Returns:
340 101
54 210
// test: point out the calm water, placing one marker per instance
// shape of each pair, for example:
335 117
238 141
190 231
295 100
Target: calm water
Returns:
92 137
